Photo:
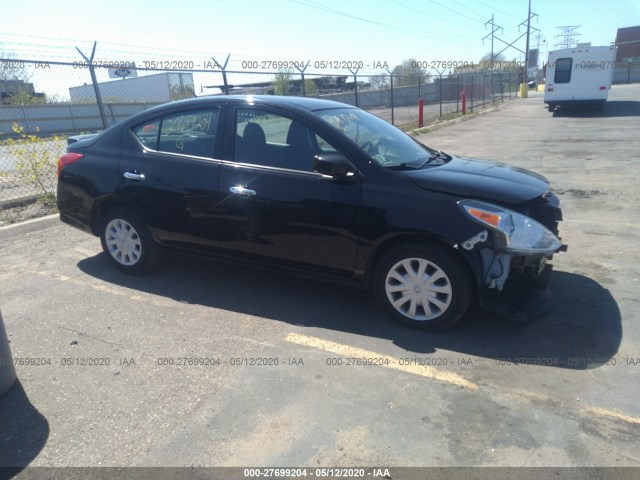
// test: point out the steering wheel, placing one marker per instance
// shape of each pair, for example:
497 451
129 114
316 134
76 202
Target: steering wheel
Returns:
368 147
384 145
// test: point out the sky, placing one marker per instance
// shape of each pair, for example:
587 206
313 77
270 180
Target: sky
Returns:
372 33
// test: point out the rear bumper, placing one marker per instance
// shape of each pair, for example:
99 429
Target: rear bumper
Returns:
576 103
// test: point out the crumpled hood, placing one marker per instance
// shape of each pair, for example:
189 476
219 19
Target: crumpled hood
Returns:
481 179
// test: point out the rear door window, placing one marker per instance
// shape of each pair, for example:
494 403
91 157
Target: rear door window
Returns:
187 133
563 70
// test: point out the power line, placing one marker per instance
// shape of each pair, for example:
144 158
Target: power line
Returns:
467 8
609 24
432 16
311 4
456 12
428 14
497 9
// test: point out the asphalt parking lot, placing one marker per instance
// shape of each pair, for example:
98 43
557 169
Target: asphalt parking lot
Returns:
206 364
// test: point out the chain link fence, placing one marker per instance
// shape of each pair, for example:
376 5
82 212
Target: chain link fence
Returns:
83 97
626 72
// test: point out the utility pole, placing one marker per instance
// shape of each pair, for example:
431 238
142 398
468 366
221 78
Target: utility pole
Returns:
526 55
512 44
494 29
568 36
523 85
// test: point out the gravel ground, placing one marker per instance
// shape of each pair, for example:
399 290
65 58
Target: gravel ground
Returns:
22 213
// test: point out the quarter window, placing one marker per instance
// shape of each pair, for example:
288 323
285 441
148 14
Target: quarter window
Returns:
324 146
148 134
563 70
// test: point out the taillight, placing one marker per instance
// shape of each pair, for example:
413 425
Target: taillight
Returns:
67 159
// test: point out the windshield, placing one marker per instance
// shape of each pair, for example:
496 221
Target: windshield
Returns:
384 143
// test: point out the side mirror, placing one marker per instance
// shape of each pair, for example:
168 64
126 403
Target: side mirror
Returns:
333 165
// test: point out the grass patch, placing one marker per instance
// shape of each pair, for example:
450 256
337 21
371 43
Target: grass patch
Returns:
438 122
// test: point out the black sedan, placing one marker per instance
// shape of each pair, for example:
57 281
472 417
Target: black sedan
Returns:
321 188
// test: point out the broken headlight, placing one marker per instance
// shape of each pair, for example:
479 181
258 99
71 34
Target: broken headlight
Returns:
515 233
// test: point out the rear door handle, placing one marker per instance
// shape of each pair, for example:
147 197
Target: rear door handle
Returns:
134 176
242 191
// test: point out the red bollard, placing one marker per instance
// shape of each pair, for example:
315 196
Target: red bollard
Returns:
464 103
420 113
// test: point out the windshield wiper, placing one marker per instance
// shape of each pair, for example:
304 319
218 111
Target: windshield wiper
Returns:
418 164
437 155
414 165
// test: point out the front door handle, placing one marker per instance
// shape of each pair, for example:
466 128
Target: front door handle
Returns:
133 176
241 190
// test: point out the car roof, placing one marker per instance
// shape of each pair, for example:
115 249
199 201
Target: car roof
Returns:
300 104
304 103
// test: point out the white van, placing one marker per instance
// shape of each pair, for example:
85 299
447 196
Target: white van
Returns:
579 76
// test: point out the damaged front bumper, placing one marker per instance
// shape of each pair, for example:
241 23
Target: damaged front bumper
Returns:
515 271
515 287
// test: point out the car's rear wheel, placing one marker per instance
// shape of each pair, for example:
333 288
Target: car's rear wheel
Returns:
127 241
423 286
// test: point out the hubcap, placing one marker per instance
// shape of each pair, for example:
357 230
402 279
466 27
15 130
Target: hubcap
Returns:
123 242
418 289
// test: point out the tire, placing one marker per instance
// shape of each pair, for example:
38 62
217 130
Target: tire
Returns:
438 300
127 242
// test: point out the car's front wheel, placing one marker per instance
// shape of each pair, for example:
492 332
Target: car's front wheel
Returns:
127 241
422 286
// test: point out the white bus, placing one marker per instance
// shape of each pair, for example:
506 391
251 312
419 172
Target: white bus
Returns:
579 76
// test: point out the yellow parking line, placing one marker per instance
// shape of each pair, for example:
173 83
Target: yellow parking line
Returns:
384 360
113 290
603 412
432 373
525 395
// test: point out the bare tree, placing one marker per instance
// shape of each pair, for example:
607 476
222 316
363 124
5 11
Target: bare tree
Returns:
379 81
10 67
409 72
15 80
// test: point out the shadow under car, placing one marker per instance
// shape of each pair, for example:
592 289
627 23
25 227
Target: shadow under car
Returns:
585 321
